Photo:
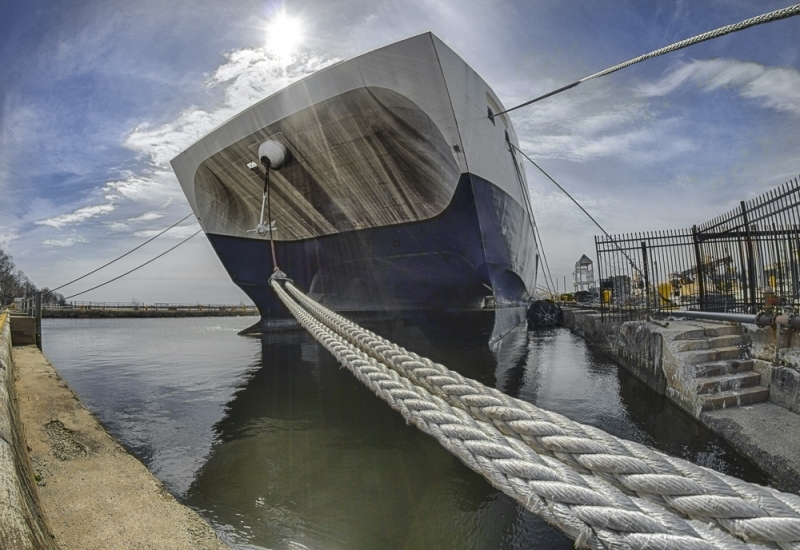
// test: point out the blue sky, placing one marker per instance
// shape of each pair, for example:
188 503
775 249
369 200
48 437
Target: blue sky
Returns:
97 97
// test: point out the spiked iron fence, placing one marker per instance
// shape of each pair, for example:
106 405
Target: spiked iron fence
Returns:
742 261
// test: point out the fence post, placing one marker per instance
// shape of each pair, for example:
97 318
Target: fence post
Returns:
599 277
646 278
793 262
778 263
751 267
38 316
701 278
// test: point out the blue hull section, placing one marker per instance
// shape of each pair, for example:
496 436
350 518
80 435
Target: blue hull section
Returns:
481 245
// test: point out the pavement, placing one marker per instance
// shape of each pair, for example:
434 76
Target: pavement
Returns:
94 493
767 434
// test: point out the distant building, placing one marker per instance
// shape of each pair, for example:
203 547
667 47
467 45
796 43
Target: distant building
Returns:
584 275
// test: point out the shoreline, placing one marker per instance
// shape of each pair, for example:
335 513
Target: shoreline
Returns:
93 492
134 314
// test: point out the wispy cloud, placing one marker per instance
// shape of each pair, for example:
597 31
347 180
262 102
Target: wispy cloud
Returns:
176 233
147 216
151 187
78 216
590 127
70 240
118 226
6 236
247 76
776 87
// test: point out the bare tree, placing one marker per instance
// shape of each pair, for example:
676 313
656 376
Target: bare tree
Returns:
14 284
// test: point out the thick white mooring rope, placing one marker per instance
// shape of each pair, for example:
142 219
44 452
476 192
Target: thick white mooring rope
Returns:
602 491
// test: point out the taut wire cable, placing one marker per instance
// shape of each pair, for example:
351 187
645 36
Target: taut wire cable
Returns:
120 257
137 267
776 15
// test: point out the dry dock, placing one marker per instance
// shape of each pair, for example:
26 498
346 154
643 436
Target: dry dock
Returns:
92 493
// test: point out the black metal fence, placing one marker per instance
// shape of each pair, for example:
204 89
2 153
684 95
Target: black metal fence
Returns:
741 261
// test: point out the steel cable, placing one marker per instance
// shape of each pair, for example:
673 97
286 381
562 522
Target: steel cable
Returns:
137 267
776 15
154 237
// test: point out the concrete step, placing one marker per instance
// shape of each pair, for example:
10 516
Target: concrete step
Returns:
726 341
717 368
727 382
737 398
709 343
710 332
692 334
723 330
708 355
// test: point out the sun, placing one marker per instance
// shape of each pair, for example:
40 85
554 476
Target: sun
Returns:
284 35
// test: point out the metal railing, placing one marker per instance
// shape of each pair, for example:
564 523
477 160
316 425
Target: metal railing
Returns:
741 262
158 306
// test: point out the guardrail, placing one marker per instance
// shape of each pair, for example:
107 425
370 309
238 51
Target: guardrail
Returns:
740 262
158 306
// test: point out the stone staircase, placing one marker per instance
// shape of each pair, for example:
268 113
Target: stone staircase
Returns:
721 378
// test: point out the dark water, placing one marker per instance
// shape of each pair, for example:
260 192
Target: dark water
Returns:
278 447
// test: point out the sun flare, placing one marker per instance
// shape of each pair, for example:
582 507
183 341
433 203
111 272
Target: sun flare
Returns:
284 35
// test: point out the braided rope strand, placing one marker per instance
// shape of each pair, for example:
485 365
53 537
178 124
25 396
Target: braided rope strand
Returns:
738 507
586 508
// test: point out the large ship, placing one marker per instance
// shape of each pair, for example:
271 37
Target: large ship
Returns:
387 183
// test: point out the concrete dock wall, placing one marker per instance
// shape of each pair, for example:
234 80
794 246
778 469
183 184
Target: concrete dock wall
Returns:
22 524
782 373
630 344
704 368
23 330
698 365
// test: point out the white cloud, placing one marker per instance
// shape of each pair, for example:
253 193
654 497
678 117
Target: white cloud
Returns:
776 87
580 130
80 215
155 187
6 236
71 240
180 232
147 216
118 226
249 75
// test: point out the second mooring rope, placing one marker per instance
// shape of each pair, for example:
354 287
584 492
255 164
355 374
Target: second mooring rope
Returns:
602 491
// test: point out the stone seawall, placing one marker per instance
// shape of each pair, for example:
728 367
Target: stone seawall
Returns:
724 375
629 344
22 523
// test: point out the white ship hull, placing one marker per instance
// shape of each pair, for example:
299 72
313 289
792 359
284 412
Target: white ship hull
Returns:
400 192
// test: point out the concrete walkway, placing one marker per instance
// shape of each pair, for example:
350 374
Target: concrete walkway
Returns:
94 493
767 434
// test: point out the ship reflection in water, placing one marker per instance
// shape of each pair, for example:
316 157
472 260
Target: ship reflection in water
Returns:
301 455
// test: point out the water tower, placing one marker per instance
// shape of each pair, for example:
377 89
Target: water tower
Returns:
584 275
